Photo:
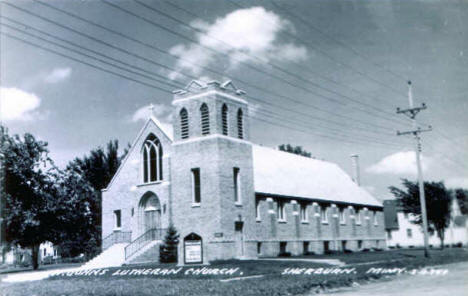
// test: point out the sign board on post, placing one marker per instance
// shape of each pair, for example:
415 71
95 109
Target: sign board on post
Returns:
193 250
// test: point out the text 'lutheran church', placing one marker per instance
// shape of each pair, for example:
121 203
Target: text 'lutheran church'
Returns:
227 197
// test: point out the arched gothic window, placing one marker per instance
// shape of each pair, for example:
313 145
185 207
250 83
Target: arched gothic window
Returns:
152 159
205 120
224 115
240 124
184 124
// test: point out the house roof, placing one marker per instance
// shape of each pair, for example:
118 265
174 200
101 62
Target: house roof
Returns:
286 174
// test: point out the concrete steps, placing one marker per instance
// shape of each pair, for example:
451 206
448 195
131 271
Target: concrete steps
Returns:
149 253
111 257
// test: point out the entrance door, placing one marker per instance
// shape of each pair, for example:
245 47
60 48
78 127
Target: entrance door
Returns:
239 237
151 219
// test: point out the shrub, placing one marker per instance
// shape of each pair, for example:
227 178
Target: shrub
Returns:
284 254
168 249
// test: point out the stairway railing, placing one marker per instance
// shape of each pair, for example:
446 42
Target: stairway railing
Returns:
116 237
143 240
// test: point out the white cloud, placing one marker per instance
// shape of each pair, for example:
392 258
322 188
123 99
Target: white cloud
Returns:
162 113
17 104
240 34
457 182
400 163
57 75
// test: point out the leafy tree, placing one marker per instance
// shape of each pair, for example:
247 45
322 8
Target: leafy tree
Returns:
461 196
296 150
75 230
30 207
168 250
438 201
86 177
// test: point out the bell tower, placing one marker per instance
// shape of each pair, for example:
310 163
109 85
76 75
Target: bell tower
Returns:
212 170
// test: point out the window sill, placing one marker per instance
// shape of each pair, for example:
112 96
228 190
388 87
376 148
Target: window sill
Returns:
358 223
324 222
342 223
195 205
238 204
116 229
282 221
258 220
305 222
150 183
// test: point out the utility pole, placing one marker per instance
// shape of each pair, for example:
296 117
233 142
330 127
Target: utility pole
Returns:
411 112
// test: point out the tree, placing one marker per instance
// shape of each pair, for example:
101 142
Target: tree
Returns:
296 150
30 205
438 201
461 196
168 250
87 176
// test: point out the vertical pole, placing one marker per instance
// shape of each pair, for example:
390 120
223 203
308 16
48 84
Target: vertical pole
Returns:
422 196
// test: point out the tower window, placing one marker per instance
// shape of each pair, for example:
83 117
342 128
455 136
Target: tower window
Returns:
205 119
240 124
224 115
237 192
196 192
152 159
184 124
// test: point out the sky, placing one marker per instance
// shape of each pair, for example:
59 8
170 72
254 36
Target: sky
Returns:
324 75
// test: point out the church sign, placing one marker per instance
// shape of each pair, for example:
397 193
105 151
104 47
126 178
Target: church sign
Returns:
193 250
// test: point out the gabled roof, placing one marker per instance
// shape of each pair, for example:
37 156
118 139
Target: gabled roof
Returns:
153 120
286 174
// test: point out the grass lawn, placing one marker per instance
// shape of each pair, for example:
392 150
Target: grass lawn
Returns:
272 283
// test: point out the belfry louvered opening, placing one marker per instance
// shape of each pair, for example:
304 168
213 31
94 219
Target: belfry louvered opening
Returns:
240 124
224 115
205 120
184 124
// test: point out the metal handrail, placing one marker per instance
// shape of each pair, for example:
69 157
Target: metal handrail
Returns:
116 237
143 240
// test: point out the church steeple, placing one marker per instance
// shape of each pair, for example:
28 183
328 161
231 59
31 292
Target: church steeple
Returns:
213 108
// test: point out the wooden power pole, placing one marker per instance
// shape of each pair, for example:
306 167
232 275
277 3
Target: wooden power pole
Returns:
411 112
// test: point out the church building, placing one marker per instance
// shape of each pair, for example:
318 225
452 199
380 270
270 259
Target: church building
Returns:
226 196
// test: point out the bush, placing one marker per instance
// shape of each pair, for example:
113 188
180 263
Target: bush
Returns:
365 250
347 251
168 250
309 253
284 254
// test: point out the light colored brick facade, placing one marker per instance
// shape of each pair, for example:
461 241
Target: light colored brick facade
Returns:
228 229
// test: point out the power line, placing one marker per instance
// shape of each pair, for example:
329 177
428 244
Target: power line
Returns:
92 57
344 45
137 56
332 58
298 64
152 86
121 68
86 63
250 55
